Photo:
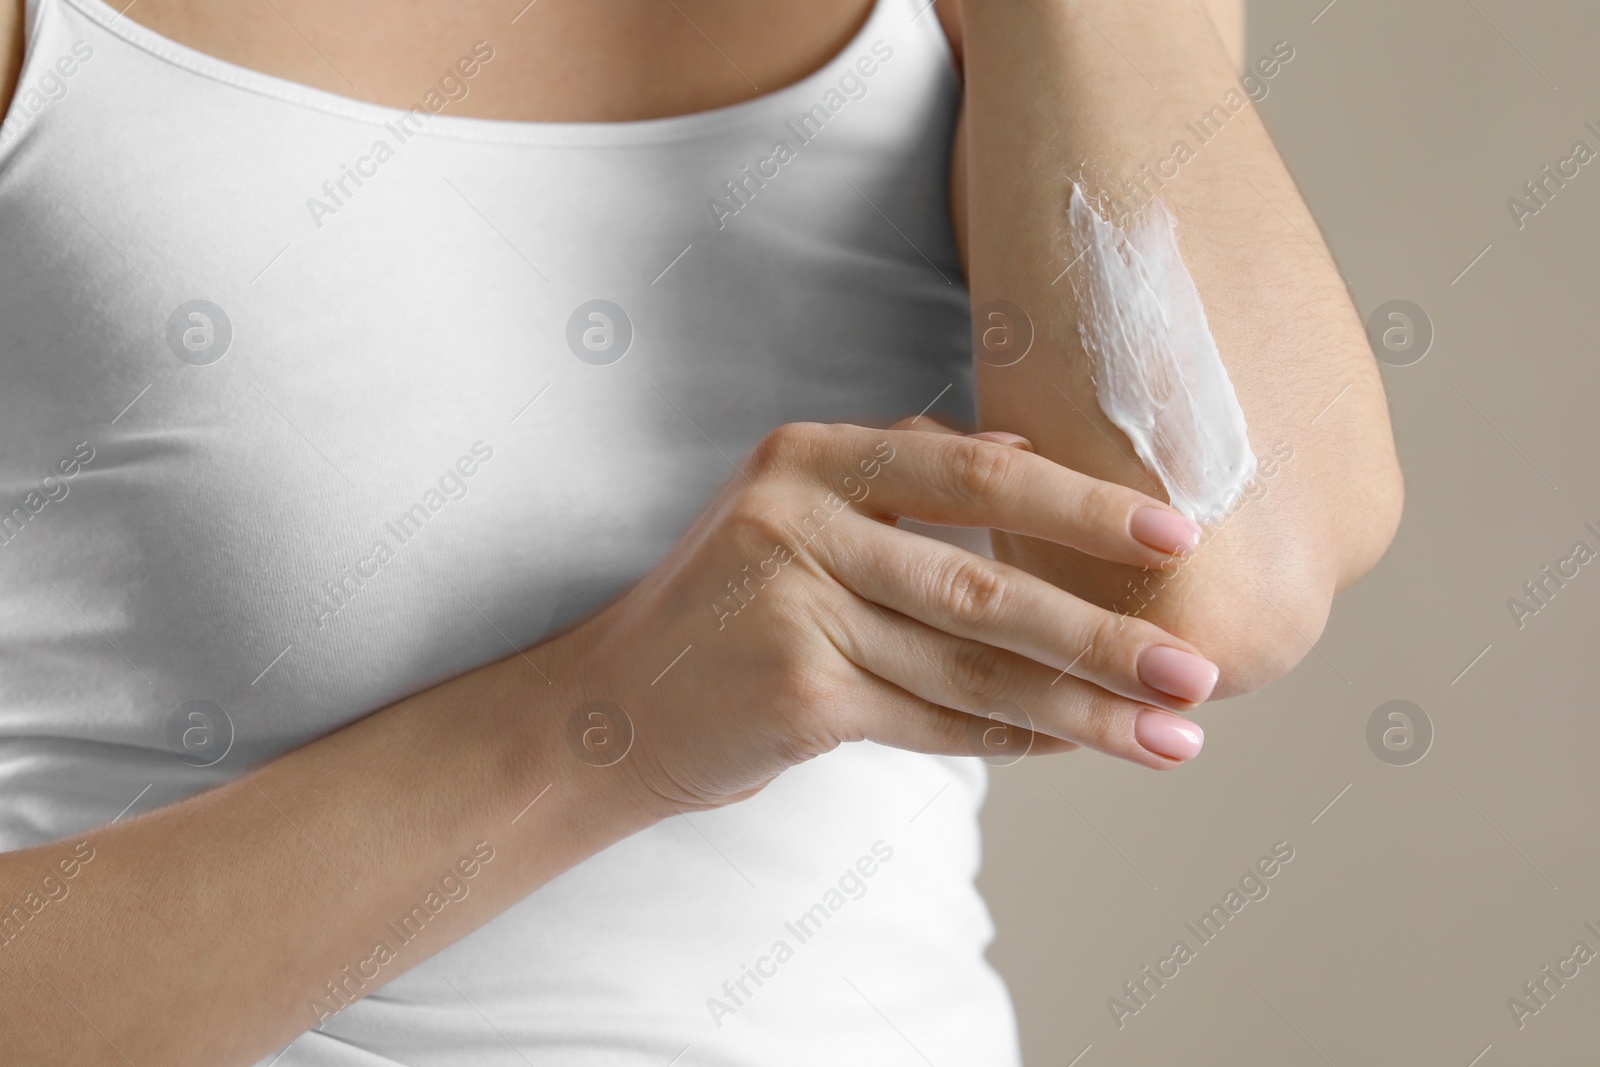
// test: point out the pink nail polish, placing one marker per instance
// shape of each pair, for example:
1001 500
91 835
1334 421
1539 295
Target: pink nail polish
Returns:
1164 531
1178 673
1168 735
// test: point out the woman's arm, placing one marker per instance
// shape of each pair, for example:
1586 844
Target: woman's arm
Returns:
214 930
11 43
813 620
1109 89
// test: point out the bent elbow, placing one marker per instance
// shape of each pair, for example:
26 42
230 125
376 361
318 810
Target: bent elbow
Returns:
1274 616
1258 626
1372 523
1281 635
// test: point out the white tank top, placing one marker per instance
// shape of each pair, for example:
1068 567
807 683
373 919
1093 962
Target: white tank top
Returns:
307 404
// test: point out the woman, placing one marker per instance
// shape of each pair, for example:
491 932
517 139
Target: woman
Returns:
440 466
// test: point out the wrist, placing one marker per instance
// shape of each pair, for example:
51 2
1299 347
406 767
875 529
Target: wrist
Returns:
564 767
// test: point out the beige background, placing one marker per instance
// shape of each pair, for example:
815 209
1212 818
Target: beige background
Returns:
1426 895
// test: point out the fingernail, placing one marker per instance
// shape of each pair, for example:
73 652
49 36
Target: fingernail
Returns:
1000 437
1164 531
1168 735
1178 673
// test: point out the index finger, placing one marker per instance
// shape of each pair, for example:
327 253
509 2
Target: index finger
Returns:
950 480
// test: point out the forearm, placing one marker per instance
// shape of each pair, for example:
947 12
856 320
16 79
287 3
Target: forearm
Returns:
1228 18
249 899
1100 91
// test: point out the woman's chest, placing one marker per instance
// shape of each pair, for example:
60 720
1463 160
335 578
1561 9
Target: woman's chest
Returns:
556 60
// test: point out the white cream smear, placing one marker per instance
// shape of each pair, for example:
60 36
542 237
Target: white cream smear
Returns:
1157 372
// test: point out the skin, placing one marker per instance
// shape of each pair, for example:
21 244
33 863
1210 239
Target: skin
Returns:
868 632
1047 99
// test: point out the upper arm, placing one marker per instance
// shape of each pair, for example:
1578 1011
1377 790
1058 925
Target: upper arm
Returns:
1228 17
1049 100
10 50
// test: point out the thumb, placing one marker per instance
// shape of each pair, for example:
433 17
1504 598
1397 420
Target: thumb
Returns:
929 424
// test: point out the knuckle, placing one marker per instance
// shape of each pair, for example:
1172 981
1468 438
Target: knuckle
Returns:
976 672
813 693
1103 721
1113 639
788 603
785 447
1101 501
759 518
981 471
973 592
951 732
816 703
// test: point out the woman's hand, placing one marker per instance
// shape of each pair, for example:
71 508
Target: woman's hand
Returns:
795 616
